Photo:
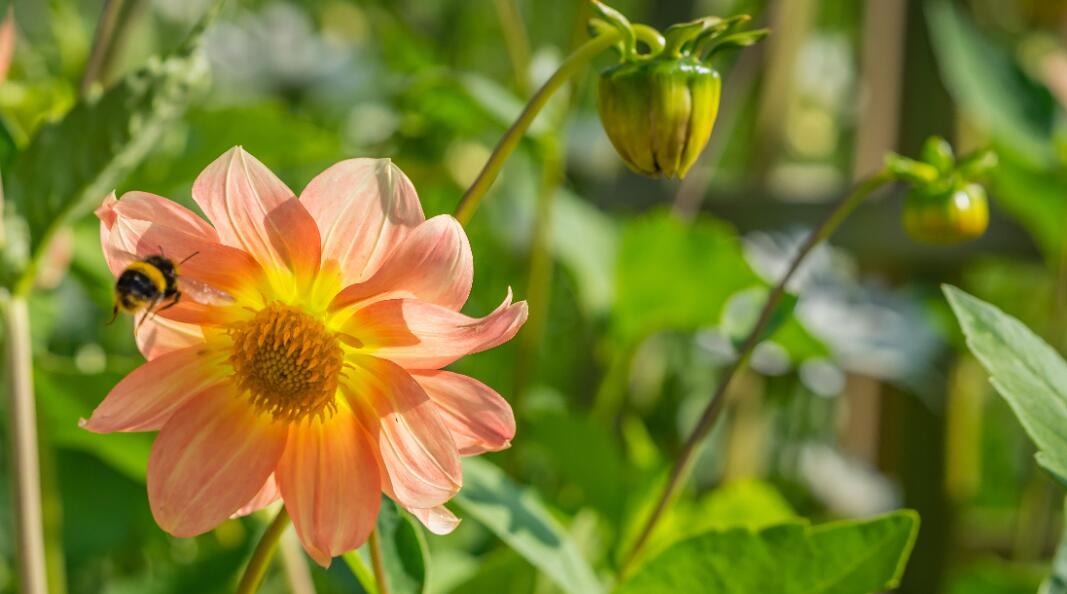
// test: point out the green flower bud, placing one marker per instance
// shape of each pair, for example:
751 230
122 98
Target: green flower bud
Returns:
658 107
659 112
949 215
944 204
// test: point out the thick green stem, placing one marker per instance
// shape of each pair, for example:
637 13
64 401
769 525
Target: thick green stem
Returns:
376 562
571 66
260 561
25 473
683 463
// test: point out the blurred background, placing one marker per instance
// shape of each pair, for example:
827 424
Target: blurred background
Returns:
863 401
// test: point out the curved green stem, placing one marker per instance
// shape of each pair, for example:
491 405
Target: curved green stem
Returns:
683 464
375 545
474 194
257 565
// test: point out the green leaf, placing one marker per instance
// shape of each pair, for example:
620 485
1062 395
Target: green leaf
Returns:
850 557
518 517
741 504
404 552
1025 370
64 399
674 275
71 164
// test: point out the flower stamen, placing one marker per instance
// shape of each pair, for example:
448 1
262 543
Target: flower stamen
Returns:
287 362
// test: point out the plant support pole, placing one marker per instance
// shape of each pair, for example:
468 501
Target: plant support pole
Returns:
25 477
683 464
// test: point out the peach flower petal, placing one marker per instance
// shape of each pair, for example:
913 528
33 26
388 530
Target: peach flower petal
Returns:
433 264
141 225
209 460
254 211
267 495
479 419
418 335
364 208
147 398
438 520
329 479
420 462
159 336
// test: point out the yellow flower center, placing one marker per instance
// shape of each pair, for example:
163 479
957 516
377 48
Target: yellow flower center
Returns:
287 362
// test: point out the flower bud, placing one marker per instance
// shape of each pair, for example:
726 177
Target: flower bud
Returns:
659 112
658 107
954 214
944 204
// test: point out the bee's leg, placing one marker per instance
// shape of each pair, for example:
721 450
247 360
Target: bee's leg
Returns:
149 311
114 315
173 301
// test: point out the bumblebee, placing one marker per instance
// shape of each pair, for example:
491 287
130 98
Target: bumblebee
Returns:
146 284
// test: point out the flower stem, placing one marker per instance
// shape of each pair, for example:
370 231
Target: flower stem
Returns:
359 569
587 51
683 464
257 565
375 545
25 467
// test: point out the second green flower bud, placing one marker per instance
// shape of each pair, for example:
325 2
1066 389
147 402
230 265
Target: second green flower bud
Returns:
659 113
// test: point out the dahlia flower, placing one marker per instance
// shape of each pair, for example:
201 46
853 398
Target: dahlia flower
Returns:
304 360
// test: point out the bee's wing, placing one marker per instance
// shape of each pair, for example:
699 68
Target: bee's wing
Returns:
203 292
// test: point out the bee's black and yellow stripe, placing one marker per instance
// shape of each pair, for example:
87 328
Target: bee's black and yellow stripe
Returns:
141 284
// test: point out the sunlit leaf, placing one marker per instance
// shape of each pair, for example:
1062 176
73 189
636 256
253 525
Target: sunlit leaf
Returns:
671 274
518 517
850 557
1025 370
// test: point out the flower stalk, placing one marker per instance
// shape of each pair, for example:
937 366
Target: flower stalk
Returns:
25 467
257 565
571 66
684 462
377 563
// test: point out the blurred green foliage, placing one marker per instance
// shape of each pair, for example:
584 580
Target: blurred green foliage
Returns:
646 302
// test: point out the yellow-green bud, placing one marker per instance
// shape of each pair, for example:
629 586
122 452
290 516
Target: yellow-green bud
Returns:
951 215
659 112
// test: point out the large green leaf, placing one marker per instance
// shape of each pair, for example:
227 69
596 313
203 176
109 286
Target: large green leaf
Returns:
851 557
1027 372
404 550
72 163
517 516
675 275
